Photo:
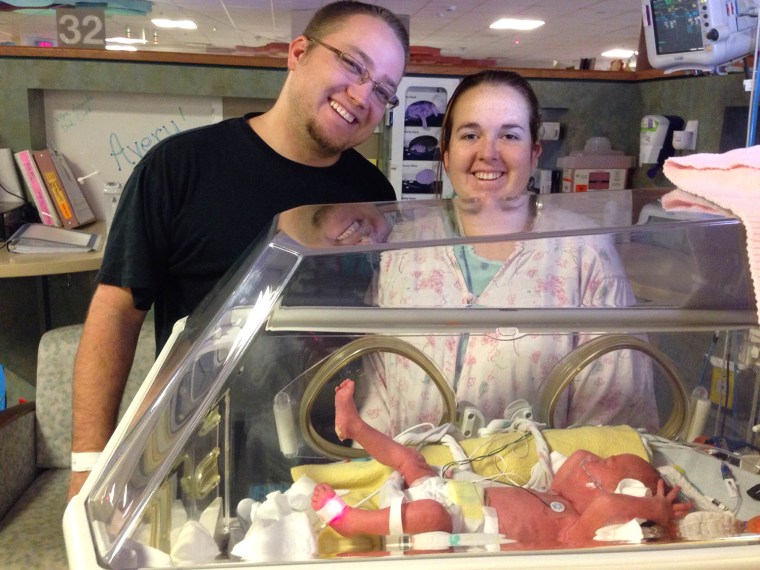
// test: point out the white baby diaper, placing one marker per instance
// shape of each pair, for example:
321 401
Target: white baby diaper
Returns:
706 525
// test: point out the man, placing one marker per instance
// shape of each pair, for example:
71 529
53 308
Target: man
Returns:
197 200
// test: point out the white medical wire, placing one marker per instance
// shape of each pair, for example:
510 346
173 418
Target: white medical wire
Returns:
428 427
500 462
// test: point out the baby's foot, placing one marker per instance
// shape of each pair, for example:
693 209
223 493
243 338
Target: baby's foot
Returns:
346 414
322 493
334 511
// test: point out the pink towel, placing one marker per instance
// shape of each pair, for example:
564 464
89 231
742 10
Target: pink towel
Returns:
678 200
721 183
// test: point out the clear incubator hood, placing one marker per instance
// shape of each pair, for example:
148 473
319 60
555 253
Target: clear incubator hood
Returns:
601 309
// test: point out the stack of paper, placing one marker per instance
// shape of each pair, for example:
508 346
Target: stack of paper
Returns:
39 238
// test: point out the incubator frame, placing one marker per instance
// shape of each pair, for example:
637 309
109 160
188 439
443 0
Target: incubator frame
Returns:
265 308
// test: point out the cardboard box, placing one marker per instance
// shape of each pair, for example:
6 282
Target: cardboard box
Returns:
590 179
586 171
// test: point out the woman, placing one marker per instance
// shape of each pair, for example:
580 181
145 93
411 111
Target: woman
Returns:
489 148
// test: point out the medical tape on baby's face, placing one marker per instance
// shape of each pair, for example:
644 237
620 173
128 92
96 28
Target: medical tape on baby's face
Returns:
633 488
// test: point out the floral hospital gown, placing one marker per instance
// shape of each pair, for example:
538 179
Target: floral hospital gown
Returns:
490 372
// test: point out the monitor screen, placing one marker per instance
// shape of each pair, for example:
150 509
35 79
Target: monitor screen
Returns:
696 34
677 26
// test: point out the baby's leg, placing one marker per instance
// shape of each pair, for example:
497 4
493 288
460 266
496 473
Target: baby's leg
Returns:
348 424
424 515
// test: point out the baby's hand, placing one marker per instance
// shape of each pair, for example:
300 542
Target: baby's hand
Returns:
666 509
680 510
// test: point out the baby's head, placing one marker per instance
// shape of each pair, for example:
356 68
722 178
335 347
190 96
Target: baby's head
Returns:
584 470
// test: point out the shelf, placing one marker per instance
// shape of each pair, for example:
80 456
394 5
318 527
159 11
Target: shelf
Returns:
241 60
36 264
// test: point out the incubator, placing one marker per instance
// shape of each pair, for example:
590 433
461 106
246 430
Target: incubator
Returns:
596 315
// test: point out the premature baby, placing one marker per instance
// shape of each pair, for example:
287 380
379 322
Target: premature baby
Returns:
581 499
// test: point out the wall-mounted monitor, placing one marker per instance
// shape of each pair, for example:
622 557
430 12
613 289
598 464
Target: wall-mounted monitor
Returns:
697 34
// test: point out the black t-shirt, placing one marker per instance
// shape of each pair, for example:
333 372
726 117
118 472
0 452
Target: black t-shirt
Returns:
198 199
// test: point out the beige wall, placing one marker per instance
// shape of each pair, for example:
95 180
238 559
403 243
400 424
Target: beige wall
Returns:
586 108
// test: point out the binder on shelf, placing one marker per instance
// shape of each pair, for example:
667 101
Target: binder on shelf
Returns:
37 188
82 211
54 185
39 238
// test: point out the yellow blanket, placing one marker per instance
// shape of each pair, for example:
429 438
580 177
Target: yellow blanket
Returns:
362 477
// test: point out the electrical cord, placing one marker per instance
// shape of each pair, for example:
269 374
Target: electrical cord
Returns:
20 197
475 459
572 364
344 356
706 364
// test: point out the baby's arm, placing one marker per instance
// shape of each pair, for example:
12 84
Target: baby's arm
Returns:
614 509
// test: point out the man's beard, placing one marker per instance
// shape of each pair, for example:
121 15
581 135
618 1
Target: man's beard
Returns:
329 147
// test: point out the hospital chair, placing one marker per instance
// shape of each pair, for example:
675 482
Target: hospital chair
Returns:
35 452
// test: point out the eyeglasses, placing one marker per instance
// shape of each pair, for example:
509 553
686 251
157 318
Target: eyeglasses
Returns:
359 73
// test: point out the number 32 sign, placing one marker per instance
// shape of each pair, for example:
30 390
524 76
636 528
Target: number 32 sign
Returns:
81 27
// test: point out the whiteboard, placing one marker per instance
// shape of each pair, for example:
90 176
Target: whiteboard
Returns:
104 135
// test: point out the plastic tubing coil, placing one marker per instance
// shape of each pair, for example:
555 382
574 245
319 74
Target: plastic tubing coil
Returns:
347 354
571 365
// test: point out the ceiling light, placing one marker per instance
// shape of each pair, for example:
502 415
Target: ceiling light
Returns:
181 24
127 40
119 47
619 53
514 24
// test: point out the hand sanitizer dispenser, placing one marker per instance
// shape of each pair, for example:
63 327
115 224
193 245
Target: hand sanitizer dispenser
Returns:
657 140
654 130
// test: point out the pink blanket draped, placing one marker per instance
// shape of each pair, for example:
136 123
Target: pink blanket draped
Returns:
721 183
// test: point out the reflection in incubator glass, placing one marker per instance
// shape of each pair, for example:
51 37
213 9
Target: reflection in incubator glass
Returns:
589 328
